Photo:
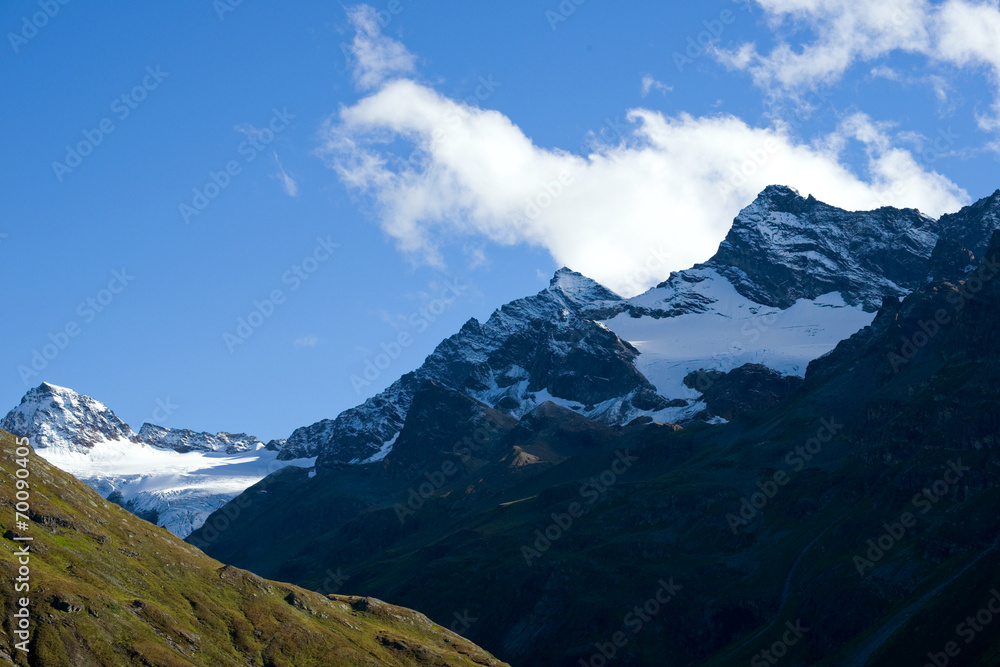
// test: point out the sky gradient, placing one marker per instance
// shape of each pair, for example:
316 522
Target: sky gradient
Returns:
217 216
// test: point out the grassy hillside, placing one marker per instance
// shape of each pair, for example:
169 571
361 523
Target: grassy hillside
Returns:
110 589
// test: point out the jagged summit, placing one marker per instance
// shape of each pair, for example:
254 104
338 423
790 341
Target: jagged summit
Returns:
783 247
580 291
184 440
540 347
172 477
972 225
54 416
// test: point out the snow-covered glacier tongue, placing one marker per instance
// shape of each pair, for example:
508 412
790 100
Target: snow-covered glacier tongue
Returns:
698 321
174 478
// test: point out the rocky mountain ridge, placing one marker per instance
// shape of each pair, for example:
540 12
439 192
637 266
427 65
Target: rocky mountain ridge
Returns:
857 505
574 342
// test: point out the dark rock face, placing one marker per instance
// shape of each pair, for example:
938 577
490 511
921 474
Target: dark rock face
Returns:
784 247
749 389
943 334
584 362
973 225
185 440
438 423
950 261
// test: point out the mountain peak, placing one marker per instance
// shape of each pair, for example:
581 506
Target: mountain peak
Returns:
784 247
973 225
48 386
778 191
558 275
54 416
579 290
48 389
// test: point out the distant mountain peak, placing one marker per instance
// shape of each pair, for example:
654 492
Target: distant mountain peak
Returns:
579 290
560 273
54 416
184 440
48 386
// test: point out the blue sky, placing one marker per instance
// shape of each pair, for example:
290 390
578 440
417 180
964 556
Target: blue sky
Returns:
389 171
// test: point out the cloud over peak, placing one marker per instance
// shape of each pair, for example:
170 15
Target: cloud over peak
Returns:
438 171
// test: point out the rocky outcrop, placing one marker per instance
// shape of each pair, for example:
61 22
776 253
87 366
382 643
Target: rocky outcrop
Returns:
746 390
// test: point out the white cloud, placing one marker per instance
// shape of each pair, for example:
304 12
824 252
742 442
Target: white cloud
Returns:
288 183
833 35
935 82
970 35
671 186
650 84
377 57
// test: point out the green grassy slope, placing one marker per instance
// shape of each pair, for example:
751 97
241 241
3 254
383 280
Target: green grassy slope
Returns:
110 589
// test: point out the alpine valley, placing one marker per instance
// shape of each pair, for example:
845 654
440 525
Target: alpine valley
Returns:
784 453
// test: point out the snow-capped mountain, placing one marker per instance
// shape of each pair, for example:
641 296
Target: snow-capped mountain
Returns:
531 350
174 478
784 247
793 277
56 417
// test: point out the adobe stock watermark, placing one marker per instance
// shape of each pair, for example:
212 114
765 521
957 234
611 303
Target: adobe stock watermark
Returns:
122 107
220 521
928 329
162 412
591 491
416 322
333 582
895 531
795 459
926 159
30 26
264 309
86 311
968 630
548 194
754 159
454 116
463 622
773 654
698 45
436 479
223 7
562 12
21 621
257 140
654 266
634 621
